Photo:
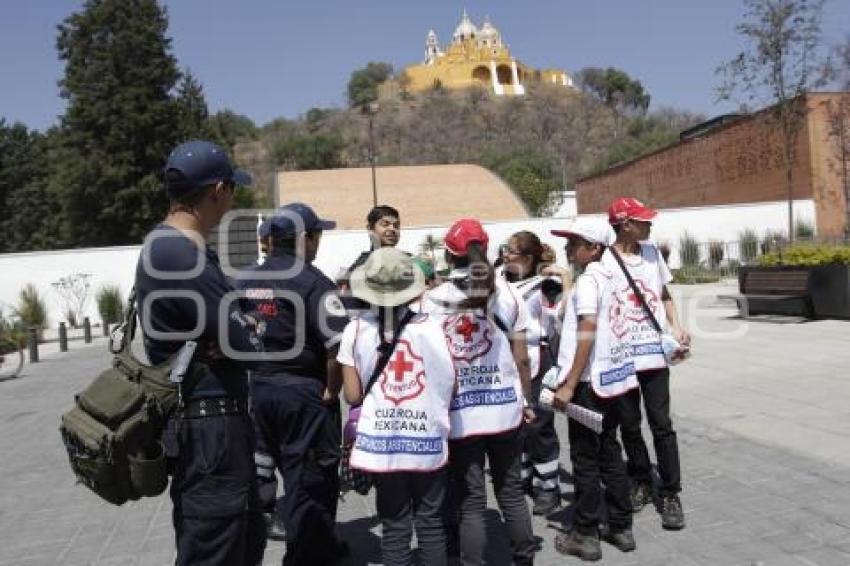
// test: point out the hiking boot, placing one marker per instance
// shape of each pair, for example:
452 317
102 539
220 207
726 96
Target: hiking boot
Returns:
274 527
623 539
672 515
641 494
546 502
574 543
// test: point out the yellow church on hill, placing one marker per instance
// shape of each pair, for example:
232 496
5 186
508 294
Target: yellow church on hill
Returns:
476 57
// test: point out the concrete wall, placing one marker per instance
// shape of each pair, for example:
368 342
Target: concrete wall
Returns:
117 265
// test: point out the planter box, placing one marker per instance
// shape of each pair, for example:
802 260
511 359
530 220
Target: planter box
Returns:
829 286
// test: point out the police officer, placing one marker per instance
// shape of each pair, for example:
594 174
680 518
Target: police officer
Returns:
295 390
180 290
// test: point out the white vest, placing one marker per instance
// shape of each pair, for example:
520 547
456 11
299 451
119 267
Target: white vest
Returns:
542 318
632 325
611 369
404 421
489 393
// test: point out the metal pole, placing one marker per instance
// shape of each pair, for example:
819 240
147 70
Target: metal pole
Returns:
372 161
105 328
32 338
87 330
63 337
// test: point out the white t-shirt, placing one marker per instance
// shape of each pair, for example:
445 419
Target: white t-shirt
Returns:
542 318
583 301
651 274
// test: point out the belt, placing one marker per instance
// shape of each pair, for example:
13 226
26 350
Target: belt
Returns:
214 407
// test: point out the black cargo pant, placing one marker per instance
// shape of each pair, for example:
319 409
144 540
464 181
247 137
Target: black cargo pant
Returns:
596 460
655 390
302 435
412 499
542 449
217 519
469 494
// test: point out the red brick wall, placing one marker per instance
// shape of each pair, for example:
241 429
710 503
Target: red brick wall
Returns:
737 163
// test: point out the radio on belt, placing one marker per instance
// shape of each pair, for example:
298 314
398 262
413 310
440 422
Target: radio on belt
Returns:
182 361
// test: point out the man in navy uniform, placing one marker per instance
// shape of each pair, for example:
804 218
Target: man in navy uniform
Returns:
295 390
183 295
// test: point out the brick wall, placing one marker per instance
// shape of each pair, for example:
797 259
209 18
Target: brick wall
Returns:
736 163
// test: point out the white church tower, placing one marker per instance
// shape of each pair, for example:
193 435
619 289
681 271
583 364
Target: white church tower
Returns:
432 48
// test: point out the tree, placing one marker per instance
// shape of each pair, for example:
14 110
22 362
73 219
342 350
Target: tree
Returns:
120 123
614 88
227 127
22 176
309 151
839 125
363 84
779 65
192 112
531 175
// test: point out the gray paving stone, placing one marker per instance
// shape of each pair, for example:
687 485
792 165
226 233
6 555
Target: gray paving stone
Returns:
758 488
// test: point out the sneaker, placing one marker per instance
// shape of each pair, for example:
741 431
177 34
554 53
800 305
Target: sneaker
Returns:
274 528
672 515
641 494
546 502
623 539
574 543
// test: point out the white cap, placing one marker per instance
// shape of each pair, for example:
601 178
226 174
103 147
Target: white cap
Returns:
593 230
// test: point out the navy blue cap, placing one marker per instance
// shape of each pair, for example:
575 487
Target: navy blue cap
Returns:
298 217
202 163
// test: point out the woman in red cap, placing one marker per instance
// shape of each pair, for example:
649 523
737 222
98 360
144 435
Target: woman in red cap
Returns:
484 322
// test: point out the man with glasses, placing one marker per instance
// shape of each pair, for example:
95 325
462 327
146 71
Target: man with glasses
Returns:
632 222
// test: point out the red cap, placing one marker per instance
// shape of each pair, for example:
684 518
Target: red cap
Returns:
464 232
624 208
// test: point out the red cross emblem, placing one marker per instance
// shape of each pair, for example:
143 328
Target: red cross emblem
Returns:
463 337
466 328
399 366
402 379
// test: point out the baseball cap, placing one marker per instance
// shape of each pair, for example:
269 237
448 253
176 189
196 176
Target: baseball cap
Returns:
462 233
595 231
624 208
202 163
297 217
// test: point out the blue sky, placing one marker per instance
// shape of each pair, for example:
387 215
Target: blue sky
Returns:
271 58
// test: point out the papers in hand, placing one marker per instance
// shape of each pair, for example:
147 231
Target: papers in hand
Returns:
582 415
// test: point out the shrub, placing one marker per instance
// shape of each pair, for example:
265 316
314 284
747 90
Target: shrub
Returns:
31 308
808 255
716 252
748 241
12 335
804 230
110 305
73 290
694 275
688 251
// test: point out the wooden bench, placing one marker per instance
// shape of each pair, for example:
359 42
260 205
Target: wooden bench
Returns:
782 290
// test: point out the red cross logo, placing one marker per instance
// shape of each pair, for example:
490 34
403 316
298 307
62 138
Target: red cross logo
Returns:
399 366
402 379
632 298
466 328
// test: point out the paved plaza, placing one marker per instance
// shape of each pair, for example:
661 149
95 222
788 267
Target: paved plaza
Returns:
761 412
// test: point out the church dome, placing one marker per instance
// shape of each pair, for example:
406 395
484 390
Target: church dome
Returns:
488 31
465 29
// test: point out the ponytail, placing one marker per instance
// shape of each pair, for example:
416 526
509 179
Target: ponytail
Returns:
480 281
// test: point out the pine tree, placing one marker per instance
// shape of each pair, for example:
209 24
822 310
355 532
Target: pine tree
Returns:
120 123
192 112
